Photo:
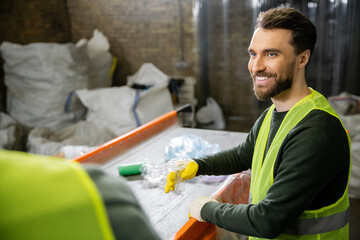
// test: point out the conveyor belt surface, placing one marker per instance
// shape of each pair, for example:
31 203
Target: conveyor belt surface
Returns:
169 212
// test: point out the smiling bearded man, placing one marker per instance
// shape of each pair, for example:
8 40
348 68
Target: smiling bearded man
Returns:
298 150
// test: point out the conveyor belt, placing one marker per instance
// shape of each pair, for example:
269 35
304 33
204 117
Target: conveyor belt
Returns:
167 212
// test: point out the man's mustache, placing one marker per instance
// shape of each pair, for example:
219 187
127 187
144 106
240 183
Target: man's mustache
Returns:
264 74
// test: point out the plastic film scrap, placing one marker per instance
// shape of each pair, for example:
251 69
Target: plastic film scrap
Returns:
189 146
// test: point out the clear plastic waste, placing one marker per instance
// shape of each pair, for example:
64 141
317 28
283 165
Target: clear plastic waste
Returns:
154 175
234 190
189 146
179 148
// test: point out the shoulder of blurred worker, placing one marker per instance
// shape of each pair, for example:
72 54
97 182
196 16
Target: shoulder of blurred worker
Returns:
122 206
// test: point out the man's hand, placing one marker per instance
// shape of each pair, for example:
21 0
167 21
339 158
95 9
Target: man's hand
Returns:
182 170
197 205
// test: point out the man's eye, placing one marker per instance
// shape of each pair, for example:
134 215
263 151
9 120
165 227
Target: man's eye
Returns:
252 54
272 55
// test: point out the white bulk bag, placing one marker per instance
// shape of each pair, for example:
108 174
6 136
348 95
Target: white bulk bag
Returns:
100 60
118 108
39 78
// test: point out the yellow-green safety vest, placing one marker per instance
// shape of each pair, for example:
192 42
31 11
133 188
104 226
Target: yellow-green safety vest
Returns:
329 222
49 198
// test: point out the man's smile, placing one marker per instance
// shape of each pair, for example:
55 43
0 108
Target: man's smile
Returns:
263 79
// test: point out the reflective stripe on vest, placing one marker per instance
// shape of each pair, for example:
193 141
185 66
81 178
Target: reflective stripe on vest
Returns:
321 220
319 225
48 198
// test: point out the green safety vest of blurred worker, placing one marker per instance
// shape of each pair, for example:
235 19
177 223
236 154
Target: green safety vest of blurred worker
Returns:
329 222
49 198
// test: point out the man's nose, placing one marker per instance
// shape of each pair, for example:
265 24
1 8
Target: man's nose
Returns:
257 65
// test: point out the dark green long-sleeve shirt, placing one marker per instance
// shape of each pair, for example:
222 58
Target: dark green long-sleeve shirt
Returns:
311 171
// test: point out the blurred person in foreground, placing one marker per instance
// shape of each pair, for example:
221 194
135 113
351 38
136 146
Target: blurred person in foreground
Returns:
298 150
45 198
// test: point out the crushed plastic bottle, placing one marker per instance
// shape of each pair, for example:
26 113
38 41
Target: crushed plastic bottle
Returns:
153 174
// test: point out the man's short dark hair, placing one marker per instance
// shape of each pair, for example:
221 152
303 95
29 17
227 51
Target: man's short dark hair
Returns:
304 31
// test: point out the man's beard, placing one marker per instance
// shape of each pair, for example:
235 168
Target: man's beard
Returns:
274 90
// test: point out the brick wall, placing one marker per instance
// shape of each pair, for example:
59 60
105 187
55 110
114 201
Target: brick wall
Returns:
24 22
139 31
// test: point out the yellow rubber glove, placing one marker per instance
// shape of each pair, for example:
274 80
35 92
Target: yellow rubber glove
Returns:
181 170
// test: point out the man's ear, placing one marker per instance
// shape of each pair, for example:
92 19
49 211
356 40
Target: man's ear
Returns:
304 58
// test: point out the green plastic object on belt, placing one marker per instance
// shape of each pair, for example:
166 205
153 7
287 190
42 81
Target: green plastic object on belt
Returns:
130 169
